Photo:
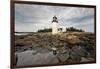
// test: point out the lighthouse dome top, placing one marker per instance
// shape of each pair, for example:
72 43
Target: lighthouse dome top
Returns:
54 19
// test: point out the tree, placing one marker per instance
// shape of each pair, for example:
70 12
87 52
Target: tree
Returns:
72 29
45 30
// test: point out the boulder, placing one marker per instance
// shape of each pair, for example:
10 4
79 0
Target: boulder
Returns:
72 39
63 55
77 52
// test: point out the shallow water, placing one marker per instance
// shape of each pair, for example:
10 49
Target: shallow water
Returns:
31 57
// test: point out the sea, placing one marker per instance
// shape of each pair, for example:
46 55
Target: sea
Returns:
21 33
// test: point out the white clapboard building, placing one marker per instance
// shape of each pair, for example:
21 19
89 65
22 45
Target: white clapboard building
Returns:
56 28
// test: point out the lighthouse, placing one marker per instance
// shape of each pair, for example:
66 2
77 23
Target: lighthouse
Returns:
54 25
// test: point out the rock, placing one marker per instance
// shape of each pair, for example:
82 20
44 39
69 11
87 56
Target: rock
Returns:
77 52
83 43
72 39
19 44
86 59
85 38
22 48
62 57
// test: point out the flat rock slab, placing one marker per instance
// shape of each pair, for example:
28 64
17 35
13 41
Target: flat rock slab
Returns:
28 58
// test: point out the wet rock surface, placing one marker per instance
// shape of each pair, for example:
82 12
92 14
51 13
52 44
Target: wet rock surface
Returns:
35 58
35 49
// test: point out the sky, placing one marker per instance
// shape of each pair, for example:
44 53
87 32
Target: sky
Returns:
31 18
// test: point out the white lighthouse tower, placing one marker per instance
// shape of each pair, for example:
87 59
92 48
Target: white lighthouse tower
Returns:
54 25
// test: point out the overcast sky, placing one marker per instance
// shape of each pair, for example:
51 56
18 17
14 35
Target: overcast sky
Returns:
30 18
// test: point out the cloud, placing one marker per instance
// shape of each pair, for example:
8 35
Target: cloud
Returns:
30 18
80 19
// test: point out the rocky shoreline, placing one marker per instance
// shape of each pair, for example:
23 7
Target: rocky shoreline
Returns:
71 47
